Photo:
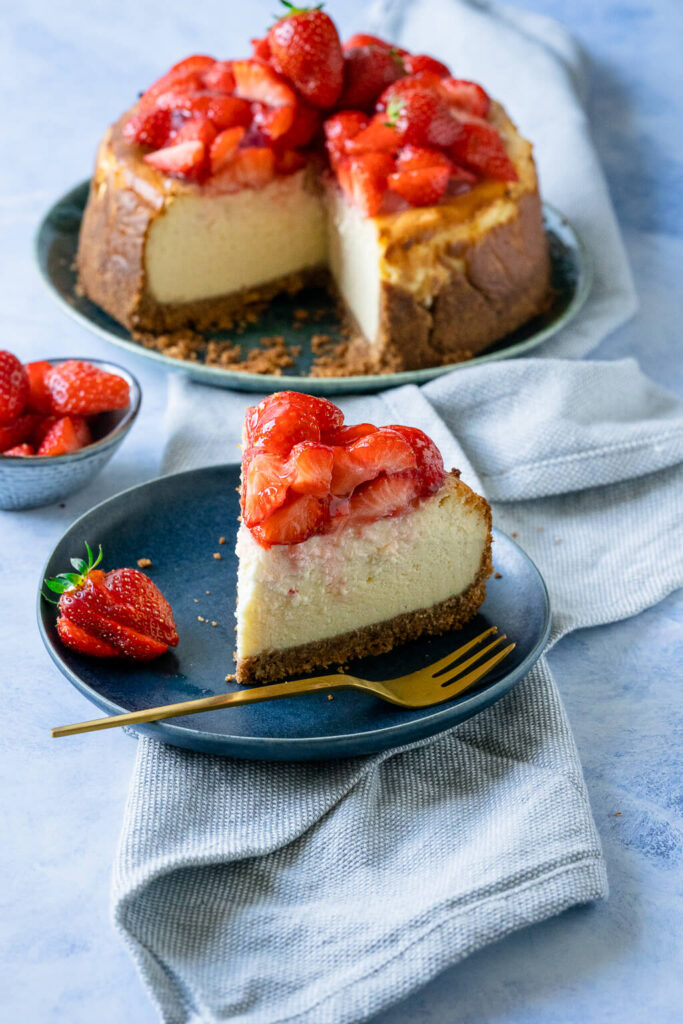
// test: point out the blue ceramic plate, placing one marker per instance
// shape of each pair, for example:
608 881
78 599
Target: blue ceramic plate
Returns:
176 521
57 241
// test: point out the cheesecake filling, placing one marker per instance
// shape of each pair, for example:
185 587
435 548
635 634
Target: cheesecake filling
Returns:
359 575
197 249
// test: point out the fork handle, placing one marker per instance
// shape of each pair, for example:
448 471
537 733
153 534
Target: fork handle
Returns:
252 695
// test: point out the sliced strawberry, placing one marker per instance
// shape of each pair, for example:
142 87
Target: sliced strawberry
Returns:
196 130
384 496
39 399
466 96
73 636
265 479
364 179
149 127
422 187
186 159
345 435
383 451
220 77
298 519
21 450
416 158
18 430
285 418
306 125
310 468
403 87
430 469
138 602
339 129
480 147
228 112
259 83
417 63
260 49
379 136
77 387
288 161
305 47
274 122
68 434
224 147
42 428
14 386
185 73
250 167
368 70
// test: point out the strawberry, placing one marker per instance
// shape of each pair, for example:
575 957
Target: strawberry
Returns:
79 388
18 430
423 187
368 70
14 387
298 519
273 121
224 147
68 434
42 428
21 450
415 158
467 96
115 614
288 161
264 485
259 83
306 125
381 135
186 159
186 73
421 117
39 397
365 39
345 435
383 451
305 48
480 148
384 496
220 77
310 468
430 469
196 130
260 49
339 129
364 179
417 63
250 167
149 127
272 424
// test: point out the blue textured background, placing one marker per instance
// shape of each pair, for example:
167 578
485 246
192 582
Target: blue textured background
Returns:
66 74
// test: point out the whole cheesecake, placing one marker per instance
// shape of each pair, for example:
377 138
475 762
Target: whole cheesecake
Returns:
367 166
352 540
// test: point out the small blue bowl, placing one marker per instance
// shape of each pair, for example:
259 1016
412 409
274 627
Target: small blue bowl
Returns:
31 480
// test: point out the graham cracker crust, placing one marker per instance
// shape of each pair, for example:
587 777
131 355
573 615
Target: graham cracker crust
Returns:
378 638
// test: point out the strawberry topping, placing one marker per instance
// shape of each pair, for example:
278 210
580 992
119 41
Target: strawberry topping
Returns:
303 469
305 47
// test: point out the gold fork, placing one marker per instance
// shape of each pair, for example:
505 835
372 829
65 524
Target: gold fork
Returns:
430 685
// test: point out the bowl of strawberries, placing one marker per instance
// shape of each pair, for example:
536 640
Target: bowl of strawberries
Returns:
61 420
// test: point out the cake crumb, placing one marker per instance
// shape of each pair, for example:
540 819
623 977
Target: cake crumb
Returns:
221 540
196 600
514 535
144 563
497 575
330 697
207 591
214 623
201 618
229 678
217 555
617 814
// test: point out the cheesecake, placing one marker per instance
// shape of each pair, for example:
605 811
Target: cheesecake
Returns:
407 191
353 539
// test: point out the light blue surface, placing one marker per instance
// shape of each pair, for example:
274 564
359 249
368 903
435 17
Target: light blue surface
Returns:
68 71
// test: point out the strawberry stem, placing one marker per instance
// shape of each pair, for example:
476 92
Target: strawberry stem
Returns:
66 581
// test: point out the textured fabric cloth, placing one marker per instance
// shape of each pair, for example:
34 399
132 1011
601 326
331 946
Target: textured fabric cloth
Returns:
321 893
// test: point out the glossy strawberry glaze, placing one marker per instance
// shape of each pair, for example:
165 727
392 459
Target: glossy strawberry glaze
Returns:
304 472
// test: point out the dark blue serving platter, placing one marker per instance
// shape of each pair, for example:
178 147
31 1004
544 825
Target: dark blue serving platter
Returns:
176 521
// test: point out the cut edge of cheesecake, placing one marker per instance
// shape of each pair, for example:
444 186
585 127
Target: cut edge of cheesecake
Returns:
379 637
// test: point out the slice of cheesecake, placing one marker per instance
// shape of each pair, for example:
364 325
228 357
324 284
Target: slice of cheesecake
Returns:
352 540
411 193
